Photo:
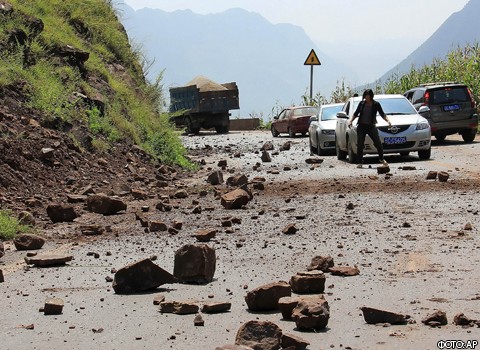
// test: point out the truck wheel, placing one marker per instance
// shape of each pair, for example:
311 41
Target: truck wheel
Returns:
274 131
221 129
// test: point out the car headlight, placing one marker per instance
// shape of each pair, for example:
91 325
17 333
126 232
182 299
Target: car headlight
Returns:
422 126
328 132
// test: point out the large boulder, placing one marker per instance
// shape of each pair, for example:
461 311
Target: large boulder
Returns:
103 204
195 263
235 199
308 282
266 297
140 276
58 212
28 242
311 314
259 335
286 305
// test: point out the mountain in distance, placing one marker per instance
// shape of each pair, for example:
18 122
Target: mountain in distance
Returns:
266 60
460 29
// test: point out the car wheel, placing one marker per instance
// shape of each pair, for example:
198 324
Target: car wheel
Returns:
304 134
352 157
469 136
341 155
404 154
312 150
290 132
425 154
320 150
275 133
440 138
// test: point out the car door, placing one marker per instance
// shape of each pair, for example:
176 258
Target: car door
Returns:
282 123
341 127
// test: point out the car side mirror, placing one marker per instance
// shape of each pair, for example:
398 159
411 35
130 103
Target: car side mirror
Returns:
342 115
314 118
423 109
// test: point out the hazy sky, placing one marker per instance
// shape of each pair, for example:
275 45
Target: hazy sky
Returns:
377 34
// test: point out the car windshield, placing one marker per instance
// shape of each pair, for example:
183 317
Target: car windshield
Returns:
330 112
393 106
308 111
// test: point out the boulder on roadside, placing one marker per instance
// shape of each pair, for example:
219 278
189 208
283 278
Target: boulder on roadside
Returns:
266 297
140 276
215 308
179 307
322 263
311 314
58 212
259 335
28 242
374 316
293 342
235 199
308 282
205 235
237 181
215 178
344 271
438 318
195 263
48 260
286 305
106 205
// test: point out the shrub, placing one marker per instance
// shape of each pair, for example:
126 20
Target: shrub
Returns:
9 225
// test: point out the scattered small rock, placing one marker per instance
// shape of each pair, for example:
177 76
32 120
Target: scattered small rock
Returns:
438 318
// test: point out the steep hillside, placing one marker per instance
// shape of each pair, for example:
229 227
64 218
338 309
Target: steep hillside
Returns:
459 29
75 110
265 60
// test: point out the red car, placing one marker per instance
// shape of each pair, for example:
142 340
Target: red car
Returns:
293 120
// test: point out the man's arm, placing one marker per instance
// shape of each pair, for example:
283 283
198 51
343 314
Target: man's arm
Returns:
382 113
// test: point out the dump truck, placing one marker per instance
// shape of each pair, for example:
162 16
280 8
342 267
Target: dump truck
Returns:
203 103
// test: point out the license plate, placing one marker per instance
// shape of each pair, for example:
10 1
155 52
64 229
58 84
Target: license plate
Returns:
394 140
449 108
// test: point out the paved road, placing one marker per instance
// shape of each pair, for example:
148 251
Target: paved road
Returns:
431 263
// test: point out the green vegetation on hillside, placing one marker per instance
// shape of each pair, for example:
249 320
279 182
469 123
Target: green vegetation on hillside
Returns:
73 62
9 226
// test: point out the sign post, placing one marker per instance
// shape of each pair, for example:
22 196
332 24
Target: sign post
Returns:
312 60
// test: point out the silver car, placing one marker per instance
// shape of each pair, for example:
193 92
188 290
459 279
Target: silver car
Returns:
321 131
410 132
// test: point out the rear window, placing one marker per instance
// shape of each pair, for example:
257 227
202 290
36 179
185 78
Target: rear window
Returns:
305 111
449 95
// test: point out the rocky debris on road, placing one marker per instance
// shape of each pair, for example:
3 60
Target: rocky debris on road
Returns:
314 160
311 314
140 276
179 307
266 297
322 263
237 181
195 263
53 306
2 250
259 335
443 176
266 158
58 212
2 279
286 146
216 307
92 230
291 341
432 175
374 316
157 299
48 260
205 235
235 199
462 320
215 178
383 169
436 319
157 226
286 305
28 242
345 271
233 347
268 146
198 321
290 229
308 282
106 205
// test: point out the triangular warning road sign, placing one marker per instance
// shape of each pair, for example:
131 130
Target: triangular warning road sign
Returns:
312 59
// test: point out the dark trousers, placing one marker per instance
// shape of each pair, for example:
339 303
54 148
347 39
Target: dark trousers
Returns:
370 130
